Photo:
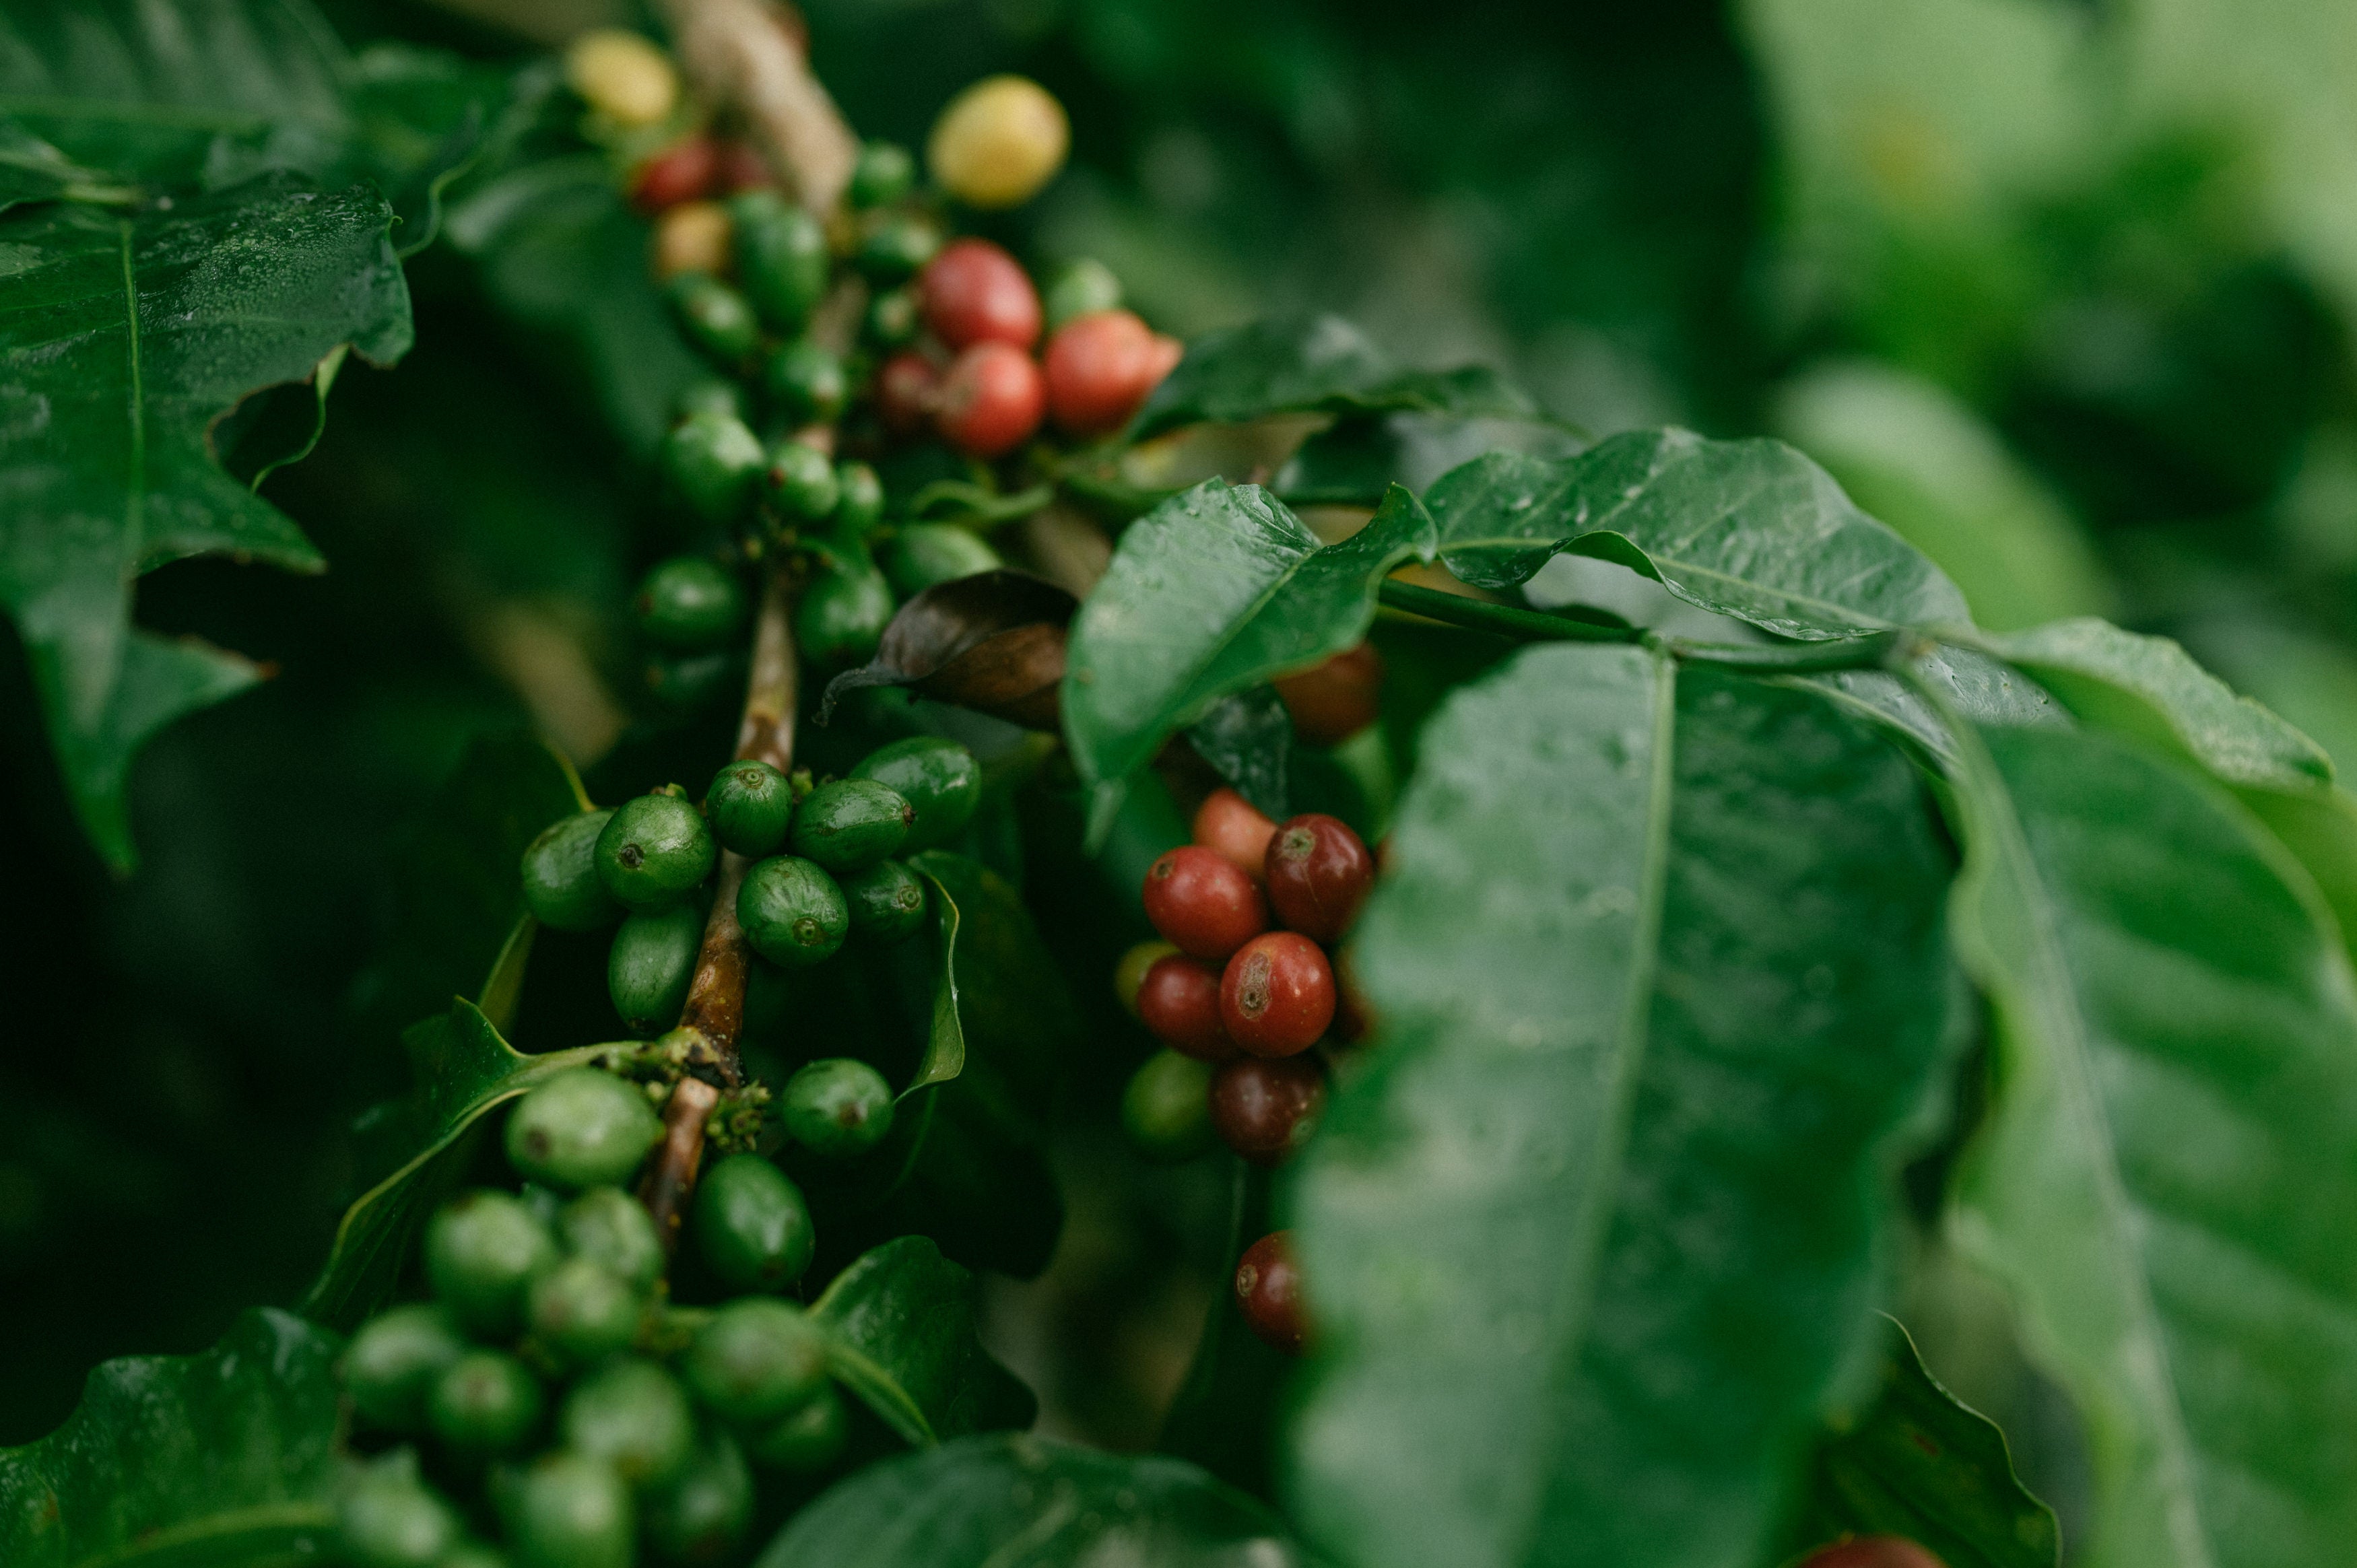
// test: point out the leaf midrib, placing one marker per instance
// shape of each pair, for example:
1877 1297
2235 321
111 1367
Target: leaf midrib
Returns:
274 1518
1676 562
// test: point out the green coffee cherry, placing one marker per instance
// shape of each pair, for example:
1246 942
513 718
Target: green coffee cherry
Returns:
805 383
393 1361
482 1249
893 317
559 877
654 850
751 1225
751 806
698 1518
799 481
849 823
582 1311
924 554
1079 288
757 1360
689 604
887 901
570 1510
650 966
792 911
1166 1110
694 681
634 1415
609 1227
712 463
781 256
885 172
859 504
710 394
714 316
581 1127
893 245
807 1441
843 616
388 1518
484 1402
939 778
837 1106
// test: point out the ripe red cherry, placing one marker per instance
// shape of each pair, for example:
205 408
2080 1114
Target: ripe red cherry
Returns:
1334 701
908 391
1872 1551
1268 1289
1179 1001
991 401
975 293
1317 873
1203 902
1100 367
1278 995
1264 1110
1234 827
681 172
742 168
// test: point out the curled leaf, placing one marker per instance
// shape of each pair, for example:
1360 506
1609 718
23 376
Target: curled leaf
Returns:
993 642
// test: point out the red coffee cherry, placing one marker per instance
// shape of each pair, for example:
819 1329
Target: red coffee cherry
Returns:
975 293
681 172
1203 902
1317 873
742 168
1334 701
1178 1002
1268 1289
1278 995
1872 1551
1100 368
991 401
1234 828
1265 1110
908 391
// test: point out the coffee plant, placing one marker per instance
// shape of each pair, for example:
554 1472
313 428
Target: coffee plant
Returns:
1589 1022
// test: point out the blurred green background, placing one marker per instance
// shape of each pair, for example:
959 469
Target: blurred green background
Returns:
2055 286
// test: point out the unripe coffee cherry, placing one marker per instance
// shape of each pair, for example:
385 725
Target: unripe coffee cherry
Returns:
607 1225
1165 1109
1079 287
807 1441
699 1517
1872 1551
1268 1289
893 317
755 1361
751 806
837 1107
846 824
581 1127
991 401
482 1250
1235 830
1204 902
651 966
1264 1110
800 482
622 77
1100 367
886 902
388 1518
1334 701
1129 970
907 391
973 292
792 912
633 1416
692 237
716 317
393 1361
781 256
582 1311
1179 1003
842 614
893 245
939 778
708 395
654 850
1276 995
922 554
751 1224
681 172
570 1510
859 500
998 142
485 1403
884 173
712 463
688 604
560 887
806 384
1317 873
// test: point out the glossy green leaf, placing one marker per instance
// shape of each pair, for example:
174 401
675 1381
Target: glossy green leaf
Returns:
900 1323
122 337
1603 1225
1972 683
998 1502
32 169
1210 592
226 1457
1749 528
944 1055
1322 365
1914 1462
2168 1178
1247 738
463 1071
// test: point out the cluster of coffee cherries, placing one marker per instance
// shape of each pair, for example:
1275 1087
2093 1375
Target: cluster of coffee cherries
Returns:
1239 1006
552 1408
825 870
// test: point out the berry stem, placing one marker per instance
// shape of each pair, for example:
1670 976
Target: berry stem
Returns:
671 1178
753 56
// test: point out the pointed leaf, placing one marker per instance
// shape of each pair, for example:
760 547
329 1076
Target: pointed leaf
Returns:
1322 364
1601 1227
2168 1179
1749 528
223 1457
1248 739
901 1332
995 1502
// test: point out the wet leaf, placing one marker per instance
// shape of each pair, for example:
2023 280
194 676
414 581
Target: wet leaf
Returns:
1320 364
993 642
901 1326
1248 737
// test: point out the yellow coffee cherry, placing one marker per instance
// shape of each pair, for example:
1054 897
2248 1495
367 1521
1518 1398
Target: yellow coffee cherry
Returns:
692 237
998 142
623 76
